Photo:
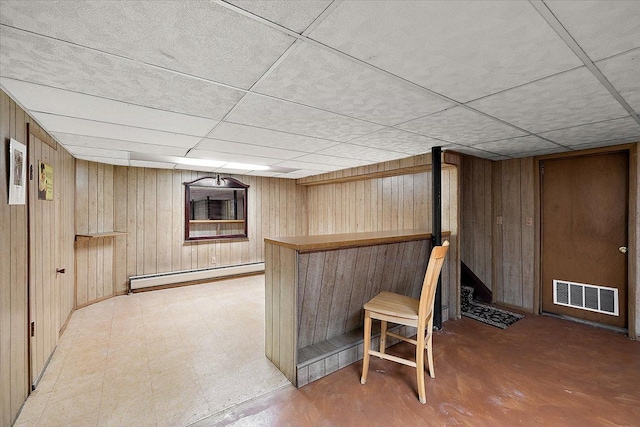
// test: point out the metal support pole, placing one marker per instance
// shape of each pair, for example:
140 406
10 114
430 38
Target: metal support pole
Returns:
436 233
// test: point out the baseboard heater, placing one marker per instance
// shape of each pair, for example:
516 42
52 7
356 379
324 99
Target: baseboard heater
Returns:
137 283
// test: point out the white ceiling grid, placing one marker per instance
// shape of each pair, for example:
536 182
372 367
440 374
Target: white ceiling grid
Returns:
312 86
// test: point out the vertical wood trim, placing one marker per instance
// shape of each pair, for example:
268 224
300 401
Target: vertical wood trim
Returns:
120 204
537 265
150 256
634 242
270 312
82 272
512 224
288 313
497 246
526 223
164 202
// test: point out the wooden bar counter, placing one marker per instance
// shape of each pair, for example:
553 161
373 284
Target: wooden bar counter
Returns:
316 287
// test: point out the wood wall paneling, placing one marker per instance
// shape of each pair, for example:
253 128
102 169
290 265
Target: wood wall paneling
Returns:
97 262
514 239
48 302
477 218
144 202
389 202
334 285
280 320
14 375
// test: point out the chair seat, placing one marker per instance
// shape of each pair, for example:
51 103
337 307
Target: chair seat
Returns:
391 304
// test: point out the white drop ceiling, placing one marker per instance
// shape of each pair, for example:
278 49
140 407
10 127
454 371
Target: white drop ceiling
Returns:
306 87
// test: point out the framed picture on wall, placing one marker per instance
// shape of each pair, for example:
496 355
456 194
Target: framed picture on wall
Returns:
17 173
45 181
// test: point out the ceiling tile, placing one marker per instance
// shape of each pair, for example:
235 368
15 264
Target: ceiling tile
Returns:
568 99
72 140
312 165
48 62
264 173
335 161
61 124
464 50
153 165
461 126
299 174
608 143
269 138
194 37
106 160
195 168
232 157
98 152
318 78
472 151
261 111
227 171
398 140
38 98
595 132
623 73
296 16
601 28
358 152
218 146
520 147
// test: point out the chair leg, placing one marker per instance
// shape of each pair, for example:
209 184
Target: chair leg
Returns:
422 395
367 346
432 373
383 336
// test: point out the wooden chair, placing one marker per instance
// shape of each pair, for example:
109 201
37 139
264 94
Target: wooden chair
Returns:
404 310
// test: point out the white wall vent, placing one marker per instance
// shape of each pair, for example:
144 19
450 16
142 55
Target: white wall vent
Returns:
586 297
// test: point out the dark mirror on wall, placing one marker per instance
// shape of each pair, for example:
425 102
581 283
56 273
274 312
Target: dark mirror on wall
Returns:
215 208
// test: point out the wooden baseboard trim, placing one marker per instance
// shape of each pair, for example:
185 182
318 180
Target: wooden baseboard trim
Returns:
195 282
86 304
515 308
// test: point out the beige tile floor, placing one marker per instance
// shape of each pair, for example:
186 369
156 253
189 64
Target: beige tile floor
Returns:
163 358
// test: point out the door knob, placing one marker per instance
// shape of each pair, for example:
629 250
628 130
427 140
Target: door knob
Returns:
623 249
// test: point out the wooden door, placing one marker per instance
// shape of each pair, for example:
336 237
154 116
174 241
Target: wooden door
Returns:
584 215
43 294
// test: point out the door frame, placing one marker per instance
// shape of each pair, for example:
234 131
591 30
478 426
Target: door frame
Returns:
632 272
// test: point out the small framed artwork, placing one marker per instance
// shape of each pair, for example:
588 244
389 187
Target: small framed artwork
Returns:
17 173
45 181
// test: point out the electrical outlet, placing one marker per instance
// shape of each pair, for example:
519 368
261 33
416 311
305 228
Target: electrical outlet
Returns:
213 261
499 220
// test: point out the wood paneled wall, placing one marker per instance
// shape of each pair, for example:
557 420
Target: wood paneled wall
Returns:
52 296
513 240
148 204
498 227
14 375
95 214
64 196
390 202
512 252
334 285
476 217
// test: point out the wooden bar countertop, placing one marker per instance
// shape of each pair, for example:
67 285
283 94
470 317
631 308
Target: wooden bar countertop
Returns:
323 242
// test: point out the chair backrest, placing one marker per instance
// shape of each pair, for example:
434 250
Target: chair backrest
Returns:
428 294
